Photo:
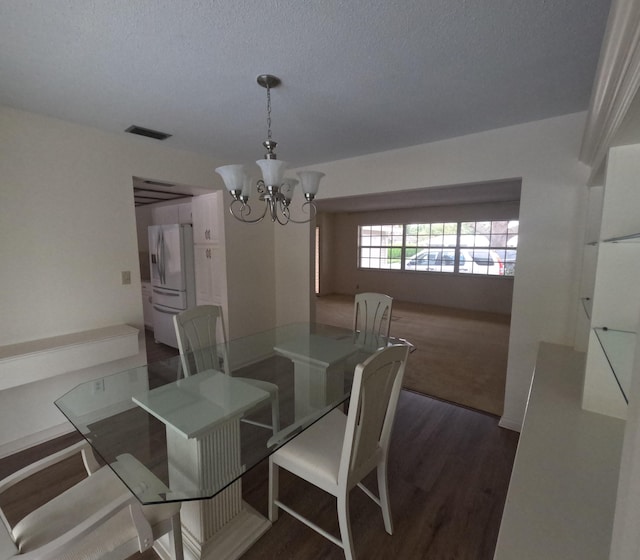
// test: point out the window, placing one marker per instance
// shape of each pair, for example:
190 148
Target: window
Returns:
487 247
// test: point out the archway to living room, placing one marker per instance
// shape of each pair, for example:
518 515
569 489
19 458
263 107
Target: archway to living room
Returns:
449 262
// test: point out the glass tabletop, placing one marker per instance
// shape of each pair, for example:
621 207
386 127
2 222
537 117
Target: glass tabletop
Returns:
185 428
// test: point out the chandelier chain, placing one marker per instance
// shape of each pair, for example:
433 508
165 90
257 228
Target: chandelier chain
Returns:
268 112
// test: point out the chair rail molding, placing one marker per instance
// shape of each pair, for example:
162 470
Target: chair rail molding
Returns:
616 82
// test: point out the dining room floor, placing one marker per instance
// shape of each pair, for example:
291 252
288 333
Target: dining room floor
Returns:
449 471
450 463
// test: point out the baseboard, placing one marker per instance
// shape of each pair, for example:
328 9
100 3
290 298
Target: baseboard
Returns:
510 424
31 440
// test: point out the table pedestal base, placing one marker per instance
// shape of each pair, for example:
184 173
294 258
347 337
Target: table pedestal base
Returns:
223 527
229 543
315 386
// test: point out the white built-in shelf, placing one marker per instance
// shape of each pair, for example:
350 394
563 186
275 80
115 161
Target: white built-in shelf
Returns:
631 238
587 305
619 348
562 493
34 360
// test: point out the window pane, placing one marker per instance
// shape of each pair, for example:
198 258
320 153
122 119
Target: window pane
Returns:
431 247
496 236
380 246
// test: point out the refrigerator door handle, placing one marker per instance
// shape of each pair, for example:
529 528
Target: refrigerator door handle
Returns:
161 255
158 258
171 294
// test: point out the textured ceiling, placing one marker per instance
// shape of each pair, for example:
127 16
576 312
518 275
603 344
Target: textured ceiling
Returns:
358 76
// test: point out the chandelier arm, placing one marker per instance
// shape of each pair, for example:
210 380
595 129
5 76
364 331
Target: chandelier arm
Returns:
311 216
245 210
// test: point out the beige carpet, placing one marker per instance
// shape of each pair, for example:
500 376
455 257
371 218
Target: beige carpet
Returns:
460 356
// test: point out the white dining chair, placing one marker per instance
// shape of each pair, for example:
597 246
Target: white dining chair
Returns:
97 518
338 451
202 343
372 314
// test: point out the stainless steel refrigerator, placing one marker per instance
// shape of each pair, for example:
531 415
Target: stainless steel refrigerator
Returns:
172 277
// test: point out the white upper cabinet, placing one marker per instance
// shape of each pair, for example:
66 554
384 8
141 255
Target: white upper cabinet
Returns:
207 218
209 250
210 275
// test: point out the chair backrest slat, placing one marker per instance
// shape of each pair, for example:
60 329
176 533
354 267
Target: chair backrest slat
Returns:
372 313
374 398
202 339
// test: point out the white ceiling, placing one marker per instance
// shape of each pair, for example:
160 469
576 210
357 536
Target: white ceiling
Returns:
358 76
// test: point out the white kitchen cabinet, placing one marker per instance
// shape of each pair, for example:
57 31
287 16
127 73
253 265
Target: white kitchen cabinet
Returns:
209 274
209 249
207 218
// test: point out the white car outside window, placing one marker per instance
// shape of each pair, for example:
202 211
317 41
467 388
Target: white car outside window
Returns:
472 261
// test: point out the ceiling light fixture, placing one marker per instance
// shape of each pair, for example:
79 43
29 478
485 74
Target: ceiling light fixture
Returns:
274 188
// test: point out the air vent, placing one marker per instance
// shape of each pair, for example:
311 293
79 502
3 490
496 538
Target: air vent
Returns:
140 131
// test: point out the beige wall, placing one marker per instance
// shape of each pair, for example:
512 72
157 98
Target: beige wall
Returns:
544 154
68 230
294 272
67 223
251 277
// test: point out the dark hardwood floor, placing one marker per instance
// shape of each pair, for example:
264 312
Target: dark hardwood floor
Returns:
449 472
157 351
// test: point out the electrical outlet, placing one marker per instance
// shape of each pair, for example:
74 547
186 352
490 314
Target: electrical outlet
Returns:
98 386
126 277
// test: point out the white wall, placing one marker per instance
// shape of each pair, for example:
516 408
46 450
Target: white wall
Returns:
544 154
144 219
68 229
251 276
293 268
67 222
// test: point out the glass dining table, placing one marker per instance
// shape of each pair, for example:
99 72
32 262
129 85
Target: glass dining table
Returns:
174 435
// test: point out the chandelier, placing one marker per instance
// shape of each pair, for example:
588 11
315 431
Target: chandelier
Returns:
274 189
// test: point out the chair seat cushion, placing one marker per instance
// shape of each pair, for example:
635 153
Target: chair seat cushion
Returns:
7 546
315 454
76 504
